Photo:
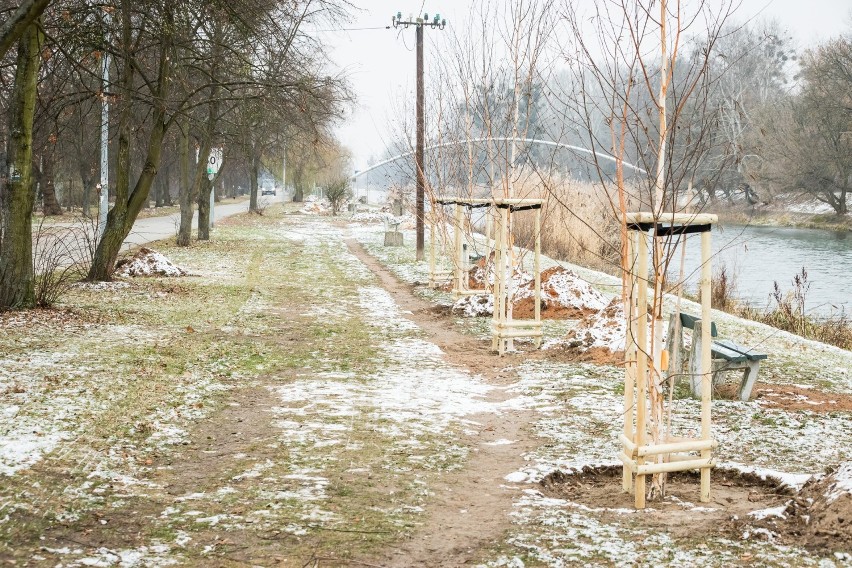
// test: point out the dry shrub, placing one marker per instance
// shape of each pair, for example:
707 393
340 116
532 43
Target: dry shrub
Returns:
723 289
61 256
578 223
789 313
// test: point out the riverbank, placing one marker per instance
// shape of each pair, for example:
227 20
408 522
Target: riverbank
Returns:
784 213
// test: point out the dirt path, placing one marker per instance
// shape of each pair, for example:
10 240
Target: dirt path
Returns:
470 508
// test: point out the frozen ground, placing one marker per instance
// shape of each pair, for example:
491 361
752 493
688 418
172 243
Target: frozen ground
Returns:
279 406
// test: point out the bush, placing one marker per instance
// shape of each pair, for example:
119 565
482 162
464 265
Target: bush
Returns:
338 193
62 256
723 290
789 314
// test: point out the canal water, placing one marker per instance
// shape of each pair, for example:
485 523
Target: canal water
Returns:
757 257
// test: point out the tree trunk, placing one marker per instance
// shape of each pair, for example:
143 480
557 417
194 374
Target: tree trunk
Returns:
51 205
18 196
88 185
204 210
162 182
185 184
298 186
128 203
253 172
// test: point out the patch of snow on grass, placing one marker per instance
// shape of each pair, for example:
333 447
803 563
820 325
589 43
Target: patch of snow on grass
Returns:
842 482
25 447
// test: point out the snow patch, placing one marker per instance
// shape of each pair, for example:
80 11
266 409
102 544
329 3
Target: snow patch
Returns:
148 262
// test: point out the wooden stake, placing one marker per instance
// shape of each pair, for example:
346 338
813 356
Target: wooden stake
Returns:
629 361
706 371
459 265
537 270
642 362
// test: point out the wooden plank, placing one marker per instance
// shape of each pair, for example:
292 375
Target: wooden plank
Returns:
688 321
641 365
671 218
749 353
676 447
702 463
706 361
722 352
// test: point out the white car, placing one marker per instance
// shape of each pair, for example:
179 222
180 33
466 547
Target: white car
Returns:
267 191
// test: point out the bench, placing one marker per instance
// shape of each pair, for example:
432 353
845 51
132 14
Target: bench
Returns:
725 355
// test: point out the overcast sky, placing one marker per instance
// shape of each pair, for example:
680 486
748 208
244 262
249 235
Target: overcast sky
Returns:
380 63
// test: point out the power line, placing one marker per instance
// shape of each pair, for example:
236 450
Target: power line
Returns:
351 29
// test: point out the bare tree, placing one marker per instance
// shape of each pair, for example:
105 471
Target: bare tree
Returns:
16 23
16 192
806 141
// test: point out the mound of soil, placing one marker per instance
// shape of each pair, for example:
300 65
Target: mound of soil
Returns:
476 305
732 494
819 516
148 262
479 276
604 330
742 505
316 207
564 295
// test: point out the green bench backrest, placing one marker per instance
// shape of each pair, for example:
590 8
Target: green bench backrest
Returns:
688 322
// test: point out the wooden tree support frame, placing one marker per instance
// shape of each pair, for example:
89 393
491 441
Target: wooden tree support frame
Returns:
640 456
439 274
504 328
460 256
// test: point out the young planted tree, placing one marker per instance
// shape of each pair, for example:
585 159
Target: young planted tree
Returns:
658 119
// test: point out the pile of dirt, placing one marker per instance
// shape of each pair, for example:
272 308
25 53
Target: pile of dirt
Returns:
819 516
792 397
602 334
478 305
475 305
148 262
825 506
479 276
564 295
314 206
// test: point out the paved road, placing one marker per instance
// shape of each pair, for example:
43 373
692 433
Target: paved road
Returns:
158 228
63 244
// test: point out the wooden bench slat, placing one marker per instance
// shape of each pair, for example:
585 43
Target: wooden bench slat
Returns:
688 322
750 353
720 351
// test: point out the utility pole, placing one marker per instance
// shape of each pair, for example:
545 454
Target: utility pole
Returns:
103 186
419 165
